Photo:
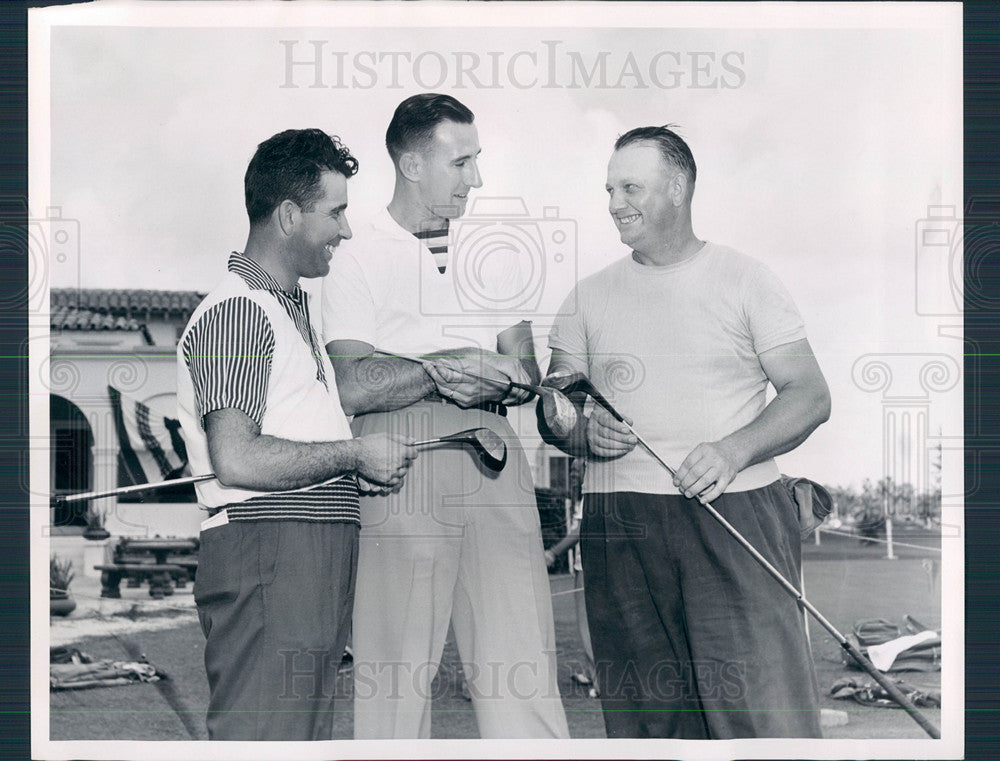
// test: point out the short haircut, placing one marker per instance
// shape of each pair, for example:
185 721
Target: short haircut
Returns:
672 148
288 166
416 118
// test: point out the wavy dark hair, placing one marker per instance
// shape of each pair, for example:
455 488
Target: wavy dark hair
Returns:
289 166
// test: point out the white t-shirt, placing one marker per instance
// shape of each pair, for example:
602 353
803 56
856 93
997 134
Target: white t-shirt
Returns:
384 288
676 350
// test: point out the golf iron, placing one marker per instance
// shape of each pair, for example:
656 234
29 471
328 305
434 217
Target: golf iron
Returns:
578 382
560 414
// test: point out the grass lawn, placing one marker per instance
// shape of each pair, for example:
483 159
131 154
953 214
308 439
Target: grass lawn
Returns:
847 582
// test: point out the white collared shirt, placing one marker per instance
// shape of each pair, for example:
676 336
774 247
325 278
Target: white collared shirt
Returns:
384 288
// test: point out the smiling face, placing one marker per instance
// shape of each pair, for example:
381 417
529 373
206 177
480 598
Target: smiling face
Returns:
449 169
320 227
646 197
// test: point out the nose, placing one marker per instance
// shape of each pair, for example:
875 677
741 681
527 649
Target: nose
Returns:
345 230
615 202
475 180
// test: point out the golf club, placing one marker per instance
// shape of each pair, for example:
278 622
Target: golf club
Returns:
492 450
84 496
560 414
578 382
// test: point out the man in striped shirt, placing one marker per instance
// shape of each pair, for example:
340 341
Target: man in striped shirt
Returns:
259 404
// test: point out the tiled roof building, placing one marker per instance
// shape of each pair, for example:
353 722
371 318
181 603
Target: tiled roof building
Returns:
75 309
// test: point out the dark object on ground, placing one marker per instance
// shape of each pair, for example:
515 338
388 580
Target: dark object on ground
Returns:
870 526
71 669
914 654
871 694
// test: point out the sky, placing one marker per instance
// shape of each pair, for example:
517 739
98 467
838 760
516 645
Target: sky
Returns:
821 147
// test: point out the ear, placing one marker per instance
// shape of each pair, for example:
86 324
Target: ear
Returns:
287 213
411 165
678 189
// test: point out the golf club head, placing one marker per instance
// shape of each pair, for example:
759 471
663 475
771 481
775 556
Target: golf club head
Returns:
569 383
492 450
559 412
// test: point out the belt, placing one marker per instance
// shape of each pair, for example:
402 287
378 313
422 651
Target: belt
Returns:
497 408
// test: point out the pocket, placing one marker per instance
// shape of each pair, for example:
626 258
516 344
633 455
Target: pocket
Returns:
219 572
267 535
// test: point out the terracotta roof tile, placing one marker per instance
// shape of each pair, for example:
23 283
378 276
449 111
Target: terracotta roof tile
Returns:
129 303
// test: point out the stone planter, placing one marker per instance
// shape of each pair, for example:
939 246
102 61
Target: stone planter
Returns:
61 604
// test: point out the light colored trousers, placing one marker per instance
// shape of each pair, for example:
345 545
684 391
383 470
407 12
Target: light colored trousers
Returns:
458 544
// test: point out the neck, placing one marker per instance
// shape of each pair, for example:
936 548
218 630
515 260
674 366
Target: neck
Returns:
270 258
674 250
410 214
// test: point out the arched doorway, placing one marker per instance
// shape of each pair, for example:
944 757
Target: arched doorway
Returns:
71 453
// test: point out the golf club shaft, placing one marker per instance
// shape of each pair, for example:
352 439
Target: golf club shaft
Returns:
894 692
507 382
134 489
432 441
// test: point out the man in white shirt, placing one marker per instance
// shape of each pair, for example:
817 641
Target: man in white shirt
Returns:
692 638
459 544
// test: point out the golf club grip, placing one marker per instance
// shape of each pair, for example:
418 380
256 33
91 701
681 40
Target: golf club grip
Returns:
894 692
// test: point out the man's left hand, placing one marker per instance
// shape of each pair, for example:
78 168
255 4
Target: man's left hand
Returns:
510 367
707 471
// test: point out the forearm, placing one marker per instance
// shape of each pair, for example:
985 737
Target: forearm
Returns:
268 463
571 539
783 425
518 342
381 384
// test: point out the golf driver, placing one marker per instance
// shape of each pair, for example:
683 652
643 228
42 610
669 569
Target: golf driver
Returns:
492 450
560 414
578 382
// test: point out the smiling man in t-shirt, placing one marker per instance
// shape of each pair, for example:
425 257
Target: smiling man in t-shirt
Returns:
691 638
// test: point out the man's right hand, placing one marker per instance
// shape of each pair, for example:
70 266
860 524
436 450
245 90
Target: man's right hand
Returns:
451 376
608 438
384 458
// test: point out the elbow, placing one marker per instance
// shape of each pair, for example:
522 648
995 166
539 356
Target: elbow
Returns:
352 401
232 471
229 475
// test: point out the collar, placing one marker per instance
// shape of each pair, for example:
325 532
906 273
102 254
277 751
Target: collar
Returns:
258 278
384 223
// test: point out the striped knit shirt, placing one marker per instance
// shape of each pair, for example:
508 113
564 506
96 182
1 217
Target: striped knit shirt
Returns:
437 243
228 353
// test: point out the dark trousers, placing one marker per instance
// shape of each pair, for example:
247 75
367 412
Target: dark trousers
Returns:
274 600
691 637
